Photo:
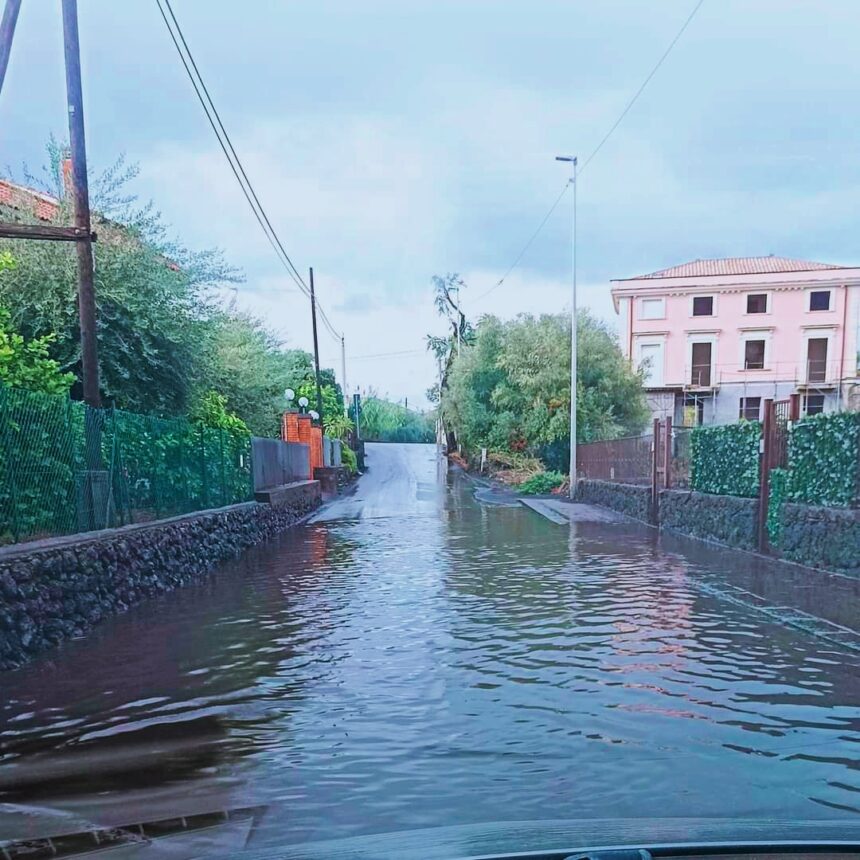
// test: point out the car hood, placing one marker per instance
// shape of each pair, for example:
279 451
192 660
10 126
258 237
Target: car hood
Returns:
536 837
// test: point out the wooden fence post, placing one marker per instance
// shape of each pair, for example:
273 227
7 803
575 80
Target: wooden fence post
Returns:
765 457
793 407
667 455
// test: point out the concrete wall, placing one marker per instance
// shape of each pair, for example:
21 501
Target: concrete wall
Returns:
54 589
331 452
821 537
726 519
631 499
275 462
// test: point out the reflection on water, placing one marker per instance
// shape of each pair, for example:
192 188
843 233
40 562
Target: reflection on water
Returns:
476 664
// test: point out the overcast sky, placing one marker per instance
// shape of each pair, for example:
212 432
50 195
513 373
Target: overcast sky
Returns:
391 141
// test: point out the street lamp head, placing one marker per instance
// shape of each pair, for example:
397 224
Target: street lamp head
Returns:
314 414
303 402
569 158
289 395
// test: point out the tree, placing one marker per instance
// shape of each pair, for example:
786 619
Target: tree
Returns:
27 363
165 340
509 389
153 295
447 301
212 411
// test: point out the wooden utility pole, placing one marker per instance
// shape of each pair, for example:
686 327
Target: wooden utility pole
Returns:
316 346
81 198
7 32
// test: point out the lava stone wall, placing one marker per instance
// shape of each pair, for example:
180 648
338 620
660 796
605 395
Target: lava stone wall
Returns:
54 589
726 519
821 537
631 499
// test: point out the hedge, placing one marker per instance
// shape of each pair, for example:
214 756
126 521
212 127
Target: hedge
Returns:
778 489
725 460
824 460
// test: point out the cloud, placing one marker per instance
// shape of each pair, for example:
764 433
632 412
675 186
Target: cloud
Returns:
450 168
357 303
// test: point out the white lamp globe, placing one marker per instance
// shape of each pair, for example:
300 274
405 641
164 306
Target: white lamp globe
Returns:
303 402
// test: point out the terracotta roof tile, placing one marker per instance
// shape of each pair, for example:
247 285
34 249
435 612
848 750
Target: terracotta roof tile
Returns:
737 266
41 205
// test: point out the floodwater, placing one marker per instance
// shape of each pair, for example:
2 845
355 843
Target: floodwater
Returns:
416 658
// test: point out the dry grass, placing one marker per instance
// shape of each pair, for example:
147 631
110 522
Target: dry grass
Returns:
512 468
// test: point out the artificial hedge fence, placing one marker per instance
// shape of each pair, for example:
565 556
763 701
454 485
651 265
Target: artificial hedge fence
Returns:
778 489
725 459
824 460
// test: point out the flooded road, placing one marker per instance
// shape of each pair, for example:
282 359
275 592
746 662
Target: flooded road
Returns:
415 658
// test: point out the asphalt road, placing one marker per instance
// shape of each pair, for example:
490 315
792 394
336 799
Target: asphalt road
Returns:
395 484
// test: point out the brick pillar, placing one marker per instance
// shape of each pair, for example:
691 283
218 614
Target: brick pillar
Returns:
316 441
290 427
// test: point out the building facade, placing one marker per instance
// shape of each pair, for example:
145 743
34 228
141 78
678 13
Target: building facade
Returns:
715 338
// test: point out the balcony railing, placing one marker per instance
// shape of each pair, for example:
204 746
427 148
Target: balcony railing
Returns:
816 370
700 375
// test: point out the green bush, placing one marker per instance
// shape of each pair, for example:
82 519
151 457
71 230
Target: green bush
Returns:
779 481
725 459
824 459
155 467
543 482
348 458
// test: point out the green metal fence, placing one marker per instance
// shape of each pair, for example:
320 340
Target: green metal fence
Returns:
65 467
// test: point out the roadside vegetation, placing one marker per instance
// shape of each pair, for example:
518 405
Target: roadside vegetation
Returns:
169 343
384 421
505 388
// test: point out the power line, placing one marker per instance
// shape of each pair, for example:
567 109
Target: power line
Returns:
528 244
387 354
599 146
227 136
641 88
229 150
260 220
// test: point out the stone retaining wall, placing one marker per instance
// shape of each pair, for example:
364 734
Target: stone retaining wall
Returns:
631 499
821 537
54 589
726 519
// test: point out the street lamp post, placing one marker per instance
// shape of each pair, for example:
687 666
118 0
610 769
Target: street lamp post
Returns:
570 159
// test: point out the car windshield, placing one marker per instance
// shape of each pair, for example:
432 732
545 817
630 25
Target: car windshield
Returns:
524 555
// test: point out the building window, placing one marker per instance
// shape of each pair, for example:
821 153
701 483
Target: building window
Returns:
694 411
813 404
754 355
750 408
816 359
703 306
652 309
700 371
651 362
757 303
819 300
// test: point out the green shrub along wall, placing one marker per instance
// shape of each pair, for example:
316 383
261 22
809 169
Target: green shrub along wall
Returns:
824 460
725 460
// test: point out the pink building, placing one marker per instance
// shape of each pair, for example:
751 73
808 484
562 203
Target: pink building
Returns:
717 337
